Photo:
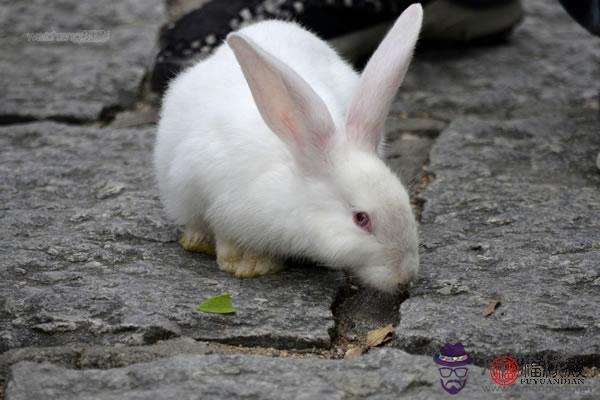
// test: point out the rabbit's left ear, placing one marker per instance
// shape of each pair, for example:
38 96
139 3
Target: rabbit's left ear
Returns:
286 102
380 80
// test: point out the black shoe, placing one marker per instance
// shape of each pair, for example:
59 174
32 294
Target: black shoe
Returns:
585 12
353 27
194 36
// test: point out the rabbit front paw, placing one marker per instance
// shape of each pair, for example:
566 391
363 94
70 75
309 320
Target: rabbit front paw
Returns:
193 239
244 263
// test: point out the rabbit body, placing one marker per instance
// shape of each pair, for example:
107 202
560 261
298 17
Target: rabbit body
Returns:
216 160
225 175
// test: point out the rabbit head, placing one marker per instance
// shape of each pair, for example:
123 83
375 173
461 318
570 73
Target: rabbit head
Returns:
363 217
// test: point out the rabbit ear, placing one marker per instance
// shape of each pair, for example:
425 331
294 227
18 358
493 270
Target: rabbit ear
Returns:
380 80
287 104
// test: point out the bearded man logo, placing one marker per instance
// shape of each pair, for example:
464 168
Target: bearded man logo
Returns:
453 361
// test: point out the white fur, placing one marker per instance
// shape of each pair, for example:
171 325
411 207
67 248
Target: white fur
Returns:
284 177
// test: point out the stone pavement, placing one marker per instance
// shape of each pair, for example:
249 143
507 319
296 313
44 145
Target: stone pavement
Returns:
74 60
381 374
97 300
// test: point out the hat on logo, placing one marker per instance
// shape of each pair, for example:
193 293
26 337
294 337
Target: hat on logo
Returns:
453 355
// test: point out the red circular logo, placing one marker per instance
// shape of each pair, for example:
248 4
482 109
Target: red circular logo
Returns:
505 370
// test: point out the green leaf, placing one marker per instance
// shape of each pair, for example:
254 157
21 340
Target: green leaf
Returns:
219 304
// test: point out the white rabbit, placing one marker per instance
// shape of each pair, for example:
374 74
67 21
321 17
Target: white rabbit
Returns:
282 157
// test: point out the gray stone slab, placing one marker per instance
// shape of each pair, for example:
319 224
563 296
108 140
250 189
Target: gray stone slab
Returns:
73 59
381 374
549 63
89 257
513 215
85 356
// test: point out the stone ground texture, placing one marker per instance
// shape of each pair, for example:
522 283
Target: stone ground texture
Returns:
513 216
97 301
382 374
93 259
74 81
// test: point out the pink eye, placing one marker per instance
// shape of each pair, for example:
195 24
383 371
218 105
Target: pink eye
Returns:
362 220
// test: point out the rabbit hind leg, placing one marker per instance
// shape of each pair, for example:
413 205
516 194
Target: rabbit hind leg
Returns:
196 239
245 263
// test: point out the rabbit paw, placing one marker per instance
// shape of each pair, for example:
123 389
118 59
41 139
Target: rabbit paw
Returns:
197 241
245 264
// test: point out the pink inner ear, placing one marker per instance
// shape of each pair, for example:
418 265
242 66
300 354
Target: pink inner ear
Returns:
286 120
286 102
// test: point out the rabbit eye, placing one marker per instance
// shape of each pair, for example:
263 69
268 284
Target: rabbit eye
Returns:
362 220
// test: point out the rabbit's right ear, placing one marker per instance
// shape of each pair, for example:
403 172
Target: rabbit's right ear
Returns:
380 80
287 104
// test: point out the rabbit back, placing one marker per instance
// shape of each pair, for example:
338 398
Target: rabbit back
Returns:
213 147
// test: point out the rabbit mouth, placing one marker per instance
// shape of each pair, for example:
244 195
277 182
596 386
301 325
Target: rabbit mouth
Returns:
392 277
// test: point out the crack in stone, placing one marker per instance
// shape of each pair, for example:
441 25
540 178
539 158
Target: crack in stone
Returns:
15 119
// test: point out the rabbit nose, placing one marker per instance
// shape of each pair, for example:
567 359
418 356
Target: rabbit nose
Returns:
403 287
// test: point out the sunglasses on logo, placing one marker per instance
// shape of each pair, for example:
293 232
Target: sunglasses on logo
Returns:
459 372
